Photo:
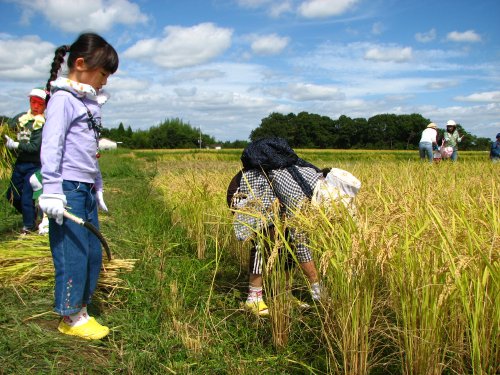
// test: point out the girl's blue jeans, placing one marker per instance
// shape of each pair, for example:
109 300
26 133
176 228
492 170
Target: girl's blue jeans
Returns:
454 156
20 192
76 252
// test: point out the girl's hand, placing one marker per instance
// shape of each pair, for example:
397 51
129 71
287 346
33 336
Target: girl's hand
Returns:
100 200
53 206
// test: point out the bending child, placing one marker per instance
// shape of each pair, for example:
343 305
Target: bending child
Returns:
271 172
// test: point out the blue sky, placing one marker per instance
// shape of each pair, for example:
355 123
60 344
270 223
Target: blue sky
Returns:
223 65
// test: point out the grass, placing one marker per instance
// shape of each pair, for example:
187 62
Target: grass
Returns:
414 282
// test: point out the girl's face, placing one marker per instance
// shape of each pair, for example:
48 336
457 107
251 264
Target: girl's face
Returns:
96 77
37 105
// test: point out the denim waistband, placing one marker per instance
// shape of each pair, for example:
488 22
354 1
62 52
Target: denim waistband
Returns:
88 185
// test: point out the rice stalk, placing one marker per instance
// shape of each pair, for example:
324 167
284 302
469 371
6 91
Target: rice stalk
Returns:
349 280
6 155
277 279
478 290
27 262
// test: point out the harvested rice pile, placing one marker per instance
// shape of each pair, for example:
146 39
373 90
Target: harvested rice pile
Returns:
26 261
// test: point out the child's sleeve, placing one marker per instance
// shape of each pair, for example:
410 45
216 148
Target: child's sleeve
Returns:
58 118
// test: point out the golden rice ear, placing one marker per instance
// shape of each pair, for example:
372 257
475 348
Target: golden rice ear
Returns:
6 155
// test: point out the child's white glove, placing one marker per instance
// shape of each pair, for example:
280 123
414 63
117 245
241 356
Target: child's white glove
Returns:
11 144
53 206
43 227
100 200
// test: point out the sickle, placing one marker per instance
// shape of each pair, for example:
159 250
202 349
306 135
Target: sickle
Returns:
91 228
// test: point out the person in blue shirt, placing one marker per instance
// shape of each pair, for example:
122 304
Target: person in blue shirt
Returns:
495 150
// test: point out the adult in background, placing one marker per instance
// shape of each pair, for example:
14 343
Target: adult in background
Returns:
427 142
27 148
452 138
495 150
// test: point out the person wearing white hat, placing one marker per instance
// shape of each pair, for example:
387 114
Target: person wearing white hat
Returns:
27 150
427 142
452 138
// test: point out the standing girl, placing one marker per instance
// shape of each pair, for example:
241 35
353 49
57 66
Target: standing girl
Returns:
72 179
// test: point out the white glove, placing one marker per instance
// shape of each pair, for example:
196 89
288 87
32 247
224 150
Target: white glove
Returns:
11 144
43 227
35 183
53 206
100 200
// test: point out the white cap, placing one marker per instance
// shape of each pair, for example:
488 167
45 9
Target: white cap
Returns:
451 123
38 92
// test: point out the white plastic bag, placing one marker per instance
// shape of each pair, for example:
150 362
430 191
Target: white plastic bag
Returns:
339 186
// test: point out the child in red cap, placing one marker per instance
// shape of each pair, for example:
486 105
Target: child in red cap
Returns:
27 150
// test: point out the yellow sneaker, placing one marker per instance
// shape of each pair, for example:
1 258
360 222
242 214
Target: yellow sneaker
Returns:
258 308
91 330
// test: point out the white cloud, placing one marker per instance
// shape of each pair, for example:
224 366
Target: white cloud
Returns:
466 36
426 37
185 92
442 84
27 58
195 75
269 44
386 54
324 8
488 96
78 15
307 91
277 9
183 46
119 83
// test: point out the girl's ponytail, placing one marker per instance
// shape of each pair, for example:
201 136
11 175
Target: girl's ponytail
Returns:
56 65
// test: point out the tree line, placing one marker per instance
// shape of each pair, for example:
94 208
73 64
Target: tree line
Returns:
303 130
384 131
171 133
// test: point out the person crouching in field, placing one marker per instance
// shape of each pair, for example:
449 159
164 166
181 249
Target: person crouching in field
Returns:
273 178
428 142
29 127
